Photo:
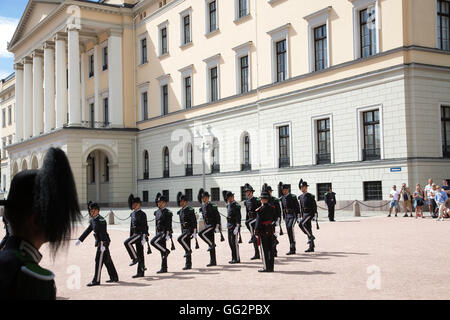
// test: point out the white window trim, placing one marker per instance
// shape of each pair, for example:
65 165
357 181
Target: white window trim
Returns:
279 34
183 14
144 87
440 105
437 29
212 62
161 26
187 72
242 51
207 31
359 5
104 95
142 36
89 54
315 137
276 143
163 80
236 10
90 100
242 148
360 126
315 20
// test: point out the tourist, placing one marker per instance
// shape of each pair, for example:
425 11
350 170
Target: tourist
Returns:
441 198
394 195
419 201
406 197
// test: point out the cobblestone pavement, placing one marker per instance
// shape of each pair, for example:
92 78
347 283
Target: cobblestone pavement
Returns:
372 257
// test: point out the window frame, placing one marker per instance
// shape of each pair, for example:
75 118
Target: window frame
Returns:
445 145
166 162
143 54
91 65
146 171
215 155
211 63
277 35
161 27
208 30
365 193
105 56
359 5
237 10
185 73
164 83
360 127
315 20
242 51
277 155
183 15
326 185
439 25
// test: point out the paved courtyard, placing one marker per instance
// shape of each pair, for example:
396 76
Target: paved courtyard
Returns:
372 257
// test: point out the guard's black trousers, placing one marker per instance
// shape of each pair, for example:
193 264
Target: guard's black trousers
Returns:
290 221
250 223
233 241
207 235
159 242
305 225
137 253
331 212
267 254
104 258
185 241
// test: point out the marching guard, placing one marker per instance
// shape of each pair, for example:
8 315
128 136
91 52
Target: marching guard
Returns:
211 217
265 230
98 224
163 221
291 211
233 225
251 204
308 207
276 202
138 235
7 233
188 222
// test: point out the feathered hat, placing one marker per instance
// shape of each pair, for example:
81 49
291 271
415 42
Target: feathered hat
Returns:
200 195
158 196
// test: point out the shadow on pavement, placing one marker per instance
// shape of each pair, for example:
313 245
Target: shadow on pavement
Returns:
308 273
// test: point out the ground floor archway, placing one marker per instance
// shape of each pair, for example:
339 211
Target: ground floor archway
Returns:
98 177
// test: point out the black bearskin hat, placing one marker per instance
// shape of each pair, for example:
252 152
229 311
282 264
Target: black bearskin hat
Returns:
302 184
265 187
179 196
158 195
248 187
93 205
48 195
200 195
130 201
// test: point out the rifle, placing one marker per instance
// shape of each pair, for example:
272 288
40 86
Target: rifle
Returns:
222 239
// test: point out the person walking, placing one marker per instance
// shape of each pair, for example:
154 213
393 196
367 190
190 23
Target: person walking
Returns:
265 229
188 222
163 228
419 201
330 201
441 198
233 225
394 195
405 195
429 198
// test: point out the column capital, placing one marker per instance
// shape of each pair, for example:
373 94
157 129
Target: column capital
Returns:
27 60
49 45
18 66
37 53
60 36
73 27
115 32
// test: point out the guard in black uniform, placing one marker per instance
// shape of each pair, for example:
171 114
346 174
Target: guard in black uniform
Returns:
211 217
98 224
138 235
188 222
233 225
7 233
276 203
163 221
42 206
265 230
330 200
308 211
291 211
251 204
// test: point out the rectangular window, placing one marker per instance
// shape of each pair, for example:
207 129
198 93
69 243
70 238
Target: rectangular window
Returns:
212 16
164 49
323 142
92 164
3 148
372 191
106 174
215 194
105 58
4 118
243 195
165 99
244 74
284 153
320 47
144 106
105 112
144 196
188 194
372 137
281 60
322 188
91 65
214 84
92 115
188 92
187 29
368 32
9 115
144 50
243 9
443 24
445 120
166 194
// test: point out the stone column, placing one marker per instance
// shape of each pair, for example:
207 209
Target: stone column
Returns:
61 80
115 74
38 94
27 98
18 117
83 87
49 85
97 108
74 76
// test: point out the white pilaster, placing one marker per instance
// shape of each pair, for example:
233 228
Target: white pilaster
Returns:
61 80
115 74
38 94
83 87
74 77
27 98
49 85
97 108
19 103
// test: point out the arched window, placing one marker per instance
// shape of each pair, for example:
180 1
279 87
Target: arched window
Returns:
91 165
166 160
215 167
246 153
106 169
189 160
146 165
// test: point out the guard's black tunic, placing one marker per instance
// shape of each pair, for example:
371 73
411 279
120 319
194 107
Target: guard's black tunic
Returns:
211 216
21 277
138 232
163 221
188 222
250 218
265 230
330 200
308 207
233 221
291 211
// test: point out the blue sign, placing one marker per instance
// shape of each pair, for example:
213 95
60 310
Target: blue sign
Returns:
396 169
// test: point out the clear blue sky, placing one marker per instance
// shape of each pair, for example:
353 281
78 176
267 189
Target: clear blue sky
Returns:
10 14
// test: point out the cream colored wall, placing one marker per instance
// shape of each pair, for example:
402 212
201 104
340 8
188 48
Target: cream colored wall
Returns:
420 22
40 12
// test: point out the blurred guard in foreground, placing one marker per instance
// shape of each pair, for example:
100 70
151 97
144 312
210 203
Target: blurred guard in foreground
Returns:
7 233
42 207
98 224
138 235
188 223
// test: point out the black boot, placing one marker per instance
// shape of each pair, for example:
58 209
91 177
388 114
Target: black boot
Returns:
188 265
139 275
311 246
292 249
133 262
93 283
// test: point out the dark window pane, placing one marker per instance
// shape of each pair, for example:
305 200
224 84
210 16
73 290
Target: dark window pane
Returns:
320 45
372 191
281 60
215 194
322 188
244 74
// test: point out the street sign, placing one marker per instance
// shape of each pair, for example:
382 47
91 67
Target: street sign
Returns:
396 169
